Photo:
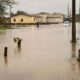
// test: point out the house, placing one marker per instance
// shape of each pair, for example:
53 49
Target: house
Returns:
51 18
38 19
44 16
25 18
55 18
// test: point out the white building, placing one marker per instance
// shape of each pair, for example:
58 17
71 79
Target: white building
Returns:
51 18
55 18
44 16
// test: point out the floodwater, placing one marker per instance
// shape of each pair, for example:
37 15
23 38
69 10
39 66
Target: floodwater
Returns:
46 53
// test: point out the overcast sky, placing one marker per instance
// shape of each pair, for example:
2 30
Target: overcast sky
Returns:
35 6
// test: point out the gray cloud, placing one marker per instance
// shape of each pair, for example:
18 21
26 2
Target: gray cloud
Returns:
44 5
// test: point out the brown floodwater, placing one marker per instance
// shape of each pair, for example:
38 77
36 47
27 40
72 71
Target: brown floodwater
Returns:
46 53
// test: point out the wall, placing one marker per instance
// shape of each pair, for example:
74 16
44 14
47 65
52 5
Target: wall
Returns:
22 19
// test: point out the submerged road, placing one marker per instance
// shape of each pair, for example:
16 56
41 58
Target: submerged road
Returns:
45 54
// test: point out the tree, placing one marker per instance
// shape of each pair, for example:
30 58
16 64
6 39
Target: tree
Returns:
7 2
2 9
2 12
3 6
21 12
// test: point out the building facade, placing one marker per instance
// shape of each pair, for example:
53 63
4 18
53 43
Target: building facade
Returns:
24 19
55 18
37 18
51 18
44 16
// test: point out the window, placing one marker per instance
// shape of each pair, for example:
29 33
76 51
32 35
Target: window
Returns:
21 20
14 20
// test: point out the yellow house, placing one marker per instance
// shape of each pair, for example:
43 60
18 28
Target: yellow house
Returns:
22 18
25 18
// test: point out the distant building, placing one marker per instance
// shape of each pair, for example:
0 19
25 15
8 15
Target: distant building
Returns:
44 16
25 18
51 18
55 18
38 19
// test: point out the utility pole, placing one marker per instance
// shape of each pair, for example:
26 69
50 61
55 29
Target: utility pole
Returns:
73 21
10 14
79 10
79 7
10 6
68 11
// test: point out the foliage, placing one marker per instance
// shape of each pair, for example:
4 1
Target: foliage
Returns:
21 12
7 2
2 12
3 6
2 9
5 27
16 39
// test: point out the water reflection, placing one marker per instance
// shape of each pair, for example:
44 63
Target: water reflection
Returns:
73 55
2 32
37 25
5 60
79 65
42 56
74 65
17 50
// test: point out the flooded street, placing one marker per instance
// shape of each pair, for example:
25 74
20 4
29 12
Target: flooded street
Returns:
46 53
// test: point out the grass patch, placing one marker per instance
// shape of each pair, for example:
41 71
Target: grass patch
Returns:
5 27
